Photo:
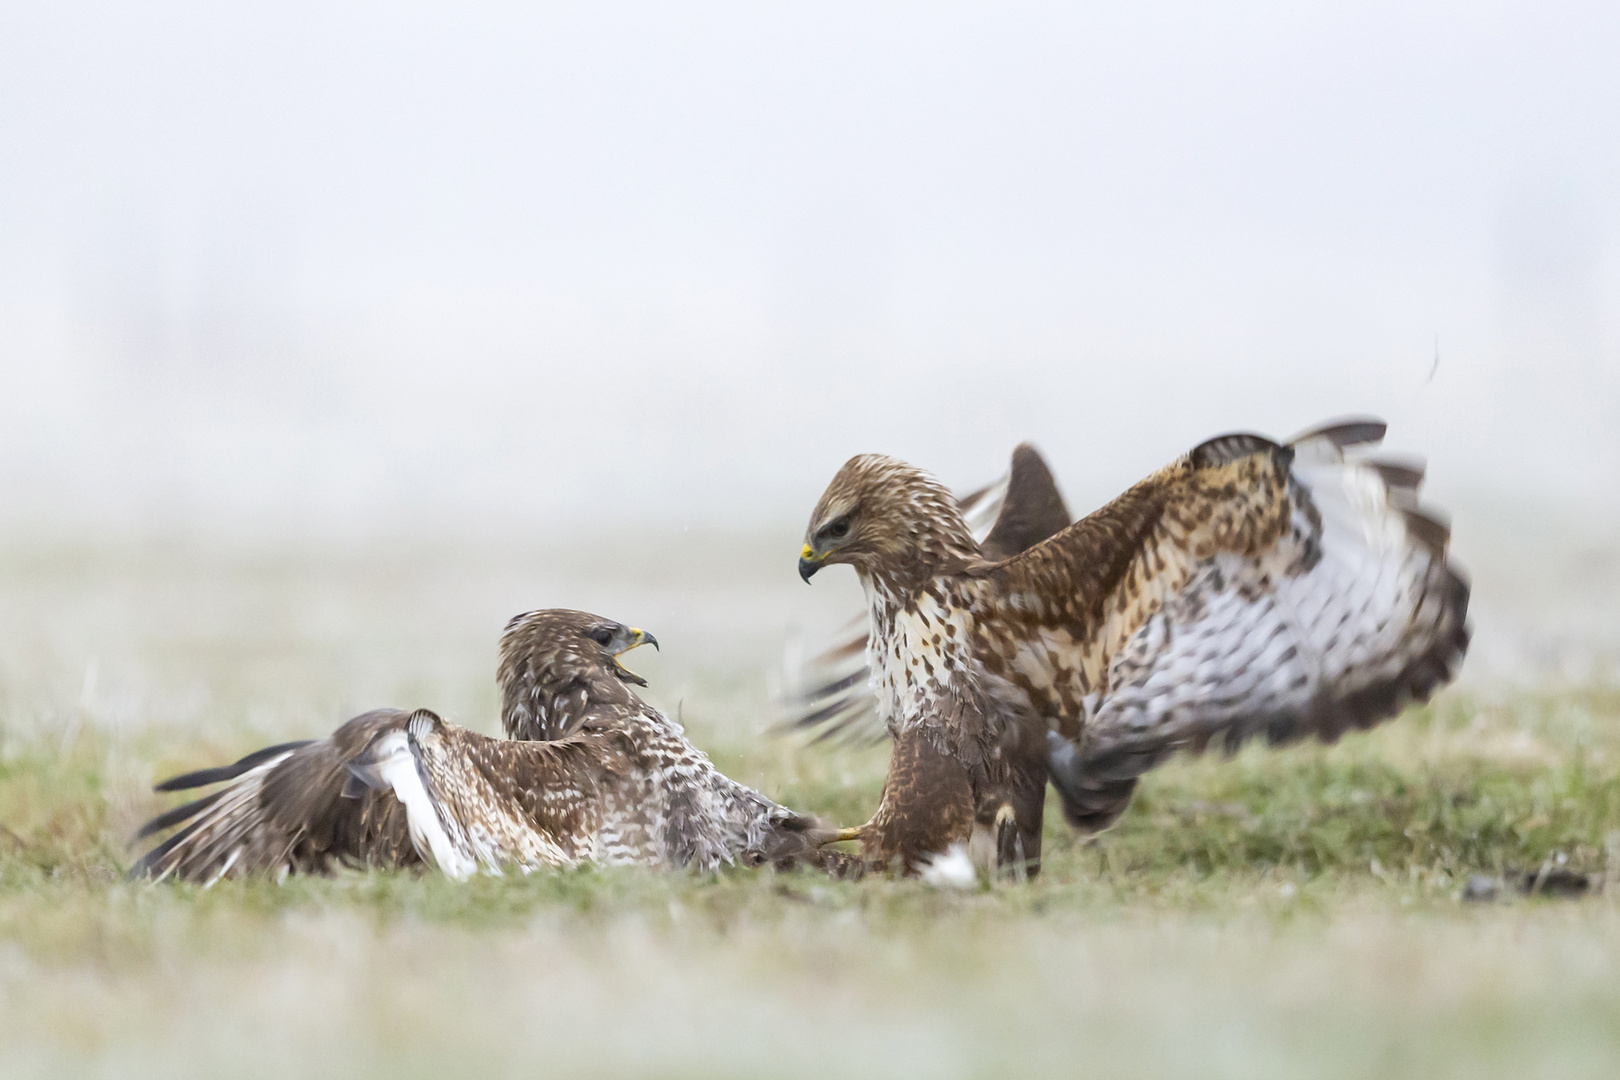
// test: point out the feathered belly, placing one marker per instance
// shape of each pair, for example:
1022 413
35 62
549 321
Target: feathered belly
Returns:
921 658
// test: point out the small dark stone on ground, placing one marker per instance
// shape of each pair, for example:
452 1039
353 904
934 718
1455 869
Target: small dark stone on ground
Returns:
1555 882
1548 881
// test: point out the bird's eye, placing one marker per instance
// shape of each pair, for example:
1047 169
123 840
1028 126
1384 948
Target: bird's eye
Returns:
839 529
602 636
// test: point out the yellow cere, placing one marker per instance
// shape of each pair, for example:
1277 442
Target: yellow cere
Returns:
807 552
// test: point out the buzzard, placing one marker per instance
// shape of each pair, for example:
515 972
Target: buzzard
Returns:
829 693
589 773
1248 588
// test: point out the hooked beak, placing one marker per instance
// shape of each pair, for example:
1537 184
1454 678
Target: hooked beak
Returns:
809 563
637 638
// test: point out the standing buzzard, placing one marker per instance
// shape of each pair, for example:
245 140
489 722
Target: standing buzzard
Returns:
614 781
1248 588
829 692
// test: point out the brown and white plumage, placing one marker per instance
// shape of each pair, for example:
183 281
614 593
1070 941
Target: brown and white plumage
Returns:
624 787
828 691
292 808
1248 588
616 781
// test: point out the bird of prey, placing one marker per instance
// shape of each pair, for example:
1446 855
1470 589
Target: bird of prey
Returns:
829 692
589 773
1248 588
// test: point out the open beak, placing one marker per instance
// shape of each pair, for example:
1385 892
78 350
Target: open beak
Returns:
809 563
637 638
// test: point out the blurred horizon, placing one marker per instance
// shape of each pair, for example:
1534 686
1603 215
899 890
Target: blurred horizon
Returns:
323 269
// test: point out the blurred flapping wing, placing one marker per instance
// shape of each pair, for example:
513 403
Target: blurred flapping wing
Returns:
826 689
1249 589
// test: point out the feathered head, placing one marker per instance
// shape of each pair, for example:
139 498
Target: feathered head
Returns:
895 524
556 663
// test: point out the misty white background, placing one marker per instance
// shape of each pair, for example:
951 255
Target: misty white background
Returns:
319 266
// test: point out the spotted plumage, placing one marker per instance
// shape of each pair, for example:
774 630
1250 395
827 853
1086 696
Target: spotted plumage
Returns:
829 691
624 787
613 781
1248 588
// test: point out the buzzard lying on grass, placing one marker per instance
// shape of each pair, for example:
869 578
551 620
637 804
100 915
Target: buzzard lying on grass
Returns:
613 781
1249 588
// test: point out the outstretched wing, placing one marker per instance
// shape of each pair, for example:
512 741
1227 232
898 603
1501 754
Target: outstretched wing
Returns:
473 802
290 808
626 788
828 691
1250 588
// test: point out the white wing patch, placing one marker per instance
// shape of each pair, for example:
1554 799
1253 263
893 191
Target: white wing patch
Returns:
671 807
1325 632
392 762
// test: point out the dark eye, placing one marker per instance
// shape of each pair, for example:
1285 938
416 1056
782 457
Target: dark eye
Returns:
839 529
602 636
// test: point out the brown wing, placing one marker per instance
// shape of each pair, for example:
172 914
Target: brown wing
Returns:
1032 510
626 787
829 692
291 808
1249 588
473 802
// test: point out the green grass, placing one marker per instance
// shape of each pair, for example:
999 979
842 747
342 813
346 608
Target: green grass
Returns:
1281 913
1284 914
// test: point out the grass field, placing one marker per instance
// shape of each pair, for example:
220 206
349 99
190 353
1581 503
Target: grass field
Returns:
1280 914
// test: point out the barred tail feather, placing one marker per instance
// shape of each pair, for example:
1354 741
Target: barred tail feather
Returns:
286 808
224 826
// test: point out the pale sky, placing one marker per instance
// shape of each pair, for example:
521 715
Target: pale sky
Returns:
345 266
